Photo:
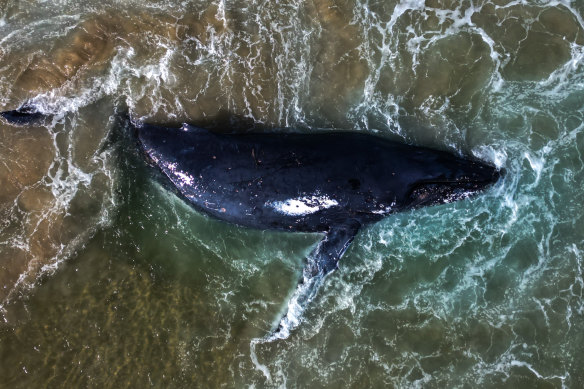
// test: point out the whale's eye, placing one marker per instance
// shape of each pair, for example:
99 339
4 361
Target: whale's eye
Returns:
431 193
355 183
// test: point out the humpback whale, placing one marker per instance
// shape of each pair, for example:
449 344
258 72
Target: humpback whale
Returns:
330 182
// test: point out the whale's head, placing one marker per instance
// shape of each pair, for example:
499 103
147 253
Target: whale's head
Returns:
440 178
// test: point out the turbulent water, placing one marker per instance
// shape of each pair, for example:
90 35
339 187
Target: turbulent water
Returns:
107 279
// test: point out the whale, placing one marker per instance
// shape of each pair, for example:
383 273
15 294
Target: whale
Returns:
333 182
330 182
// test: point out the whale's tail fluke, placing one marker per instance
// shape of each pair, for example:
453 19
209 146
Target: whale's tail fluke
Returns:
26 115
31 113
320 262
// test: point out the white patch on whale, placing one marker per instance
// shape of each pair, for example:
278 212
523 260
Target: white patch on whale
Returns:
182 177
303 205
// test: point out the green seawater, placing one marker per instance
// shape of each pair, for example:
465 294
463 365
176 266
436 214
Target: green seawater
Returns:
108 279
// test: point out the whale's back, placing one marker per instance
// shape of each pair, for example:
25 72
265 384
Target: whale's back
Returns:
277 181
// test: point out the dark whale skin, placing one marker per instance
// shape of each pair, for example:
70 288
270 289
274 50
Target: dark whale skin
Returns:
307 182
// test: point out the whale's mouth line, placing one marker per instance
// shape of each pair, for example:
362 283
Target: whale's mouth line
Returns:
453 184
486 181
441 191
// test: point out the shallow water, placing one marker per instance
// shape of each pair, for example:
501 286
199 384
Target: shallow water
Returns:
108 279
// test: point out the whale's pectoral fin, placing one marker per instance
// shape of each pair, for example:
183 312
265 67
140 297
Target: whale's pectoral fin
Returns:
325 257
321 261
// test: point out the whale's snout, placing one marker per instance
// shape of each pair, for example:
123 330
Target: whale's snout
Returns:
451 180
480 175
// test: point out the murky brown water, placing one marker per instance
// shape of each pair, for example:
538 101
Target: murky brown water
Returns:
108 280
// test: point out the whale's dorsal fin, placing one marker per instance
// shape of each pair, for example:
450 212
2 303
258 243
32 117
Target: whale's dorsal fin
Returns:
320 262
